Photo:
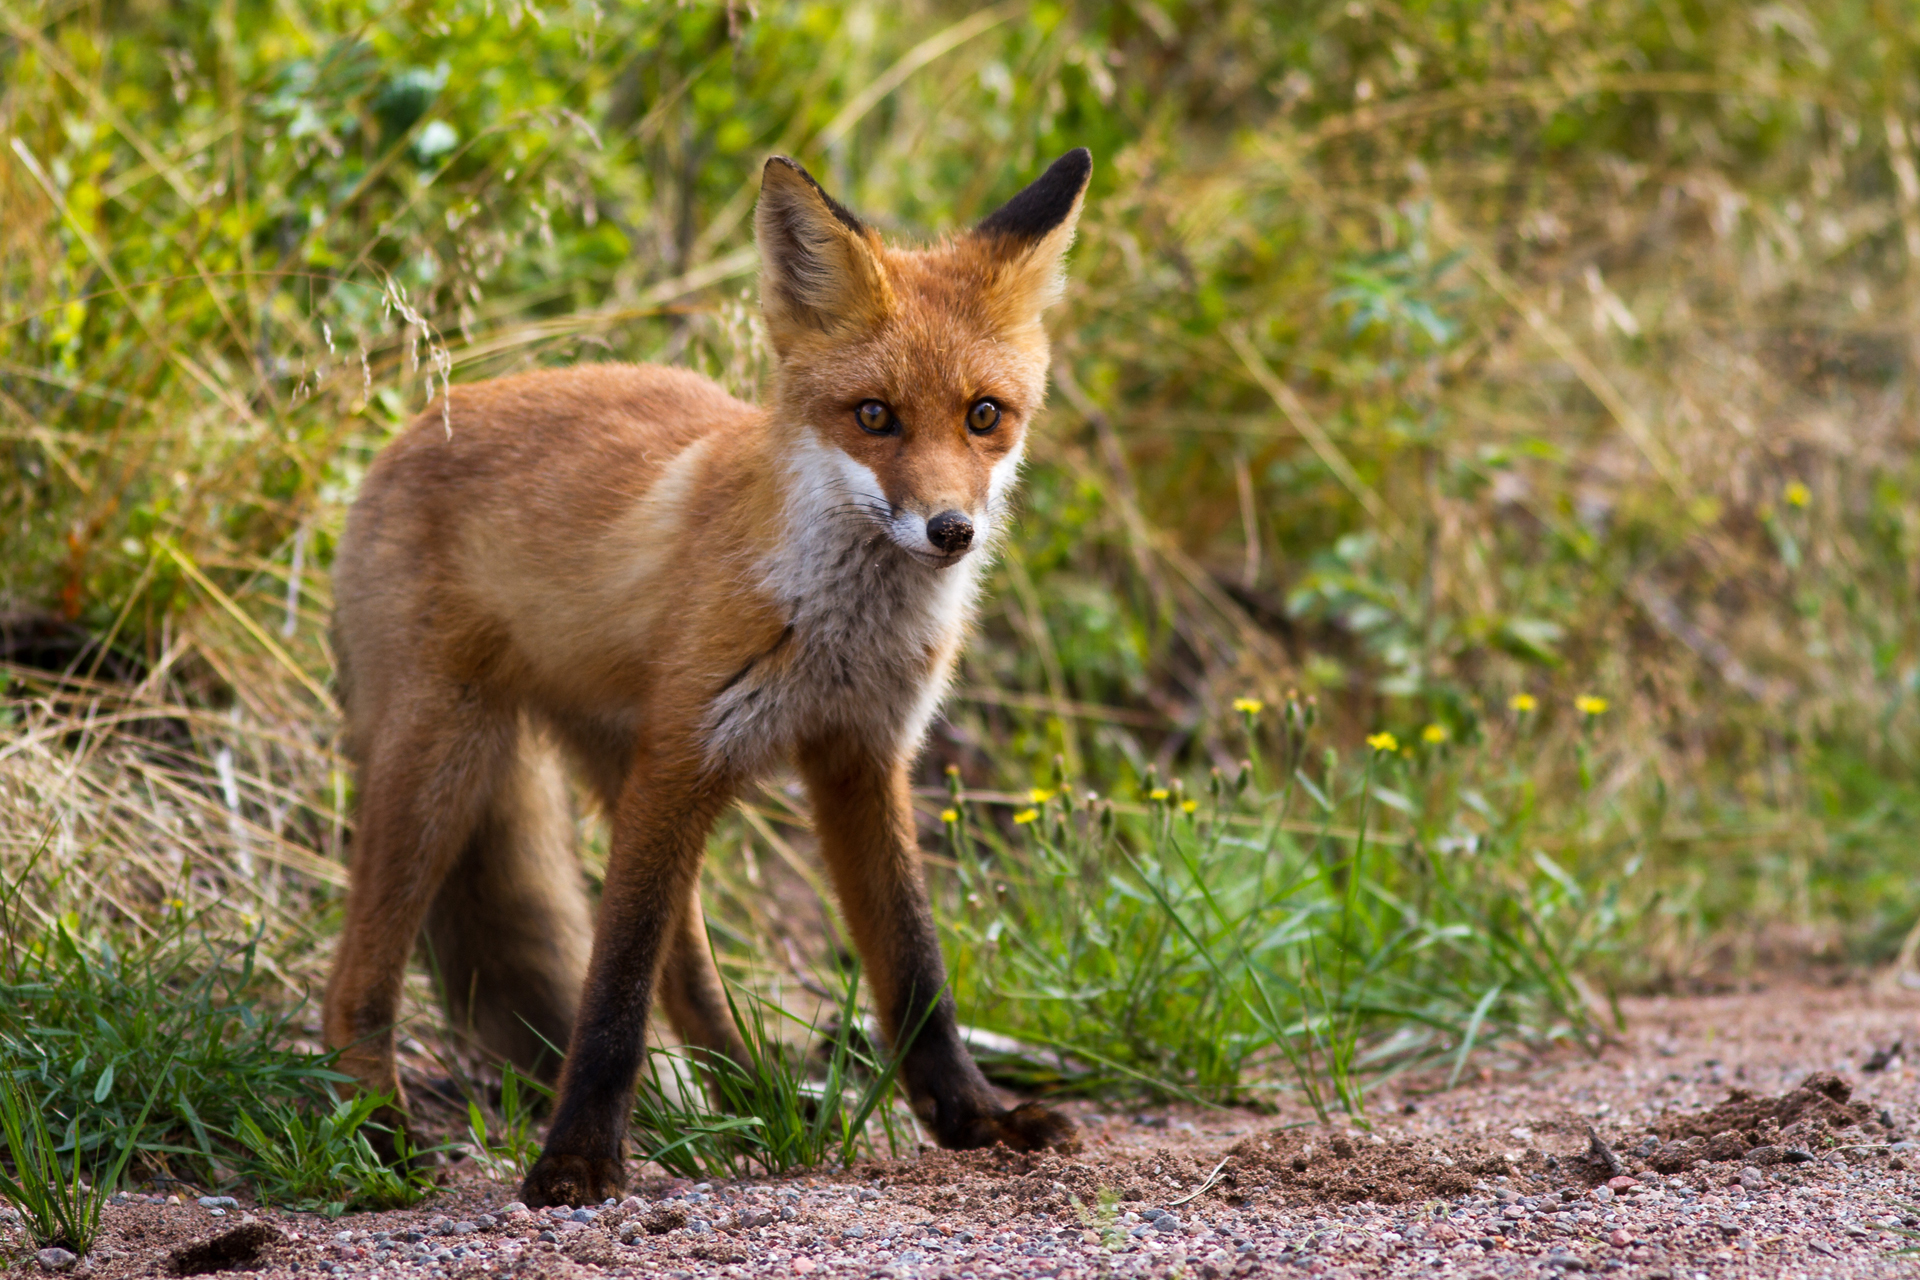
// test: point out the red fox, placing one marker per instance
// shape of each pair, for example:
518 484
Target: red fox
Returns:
625 566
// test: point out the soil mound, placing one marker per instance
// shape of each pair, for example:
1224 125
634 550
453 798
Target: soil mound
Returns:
1303 1166
1821 1101
1758 1130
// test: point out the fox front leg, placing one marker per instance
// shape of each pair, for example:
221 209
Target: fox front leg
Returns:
659 837
864 821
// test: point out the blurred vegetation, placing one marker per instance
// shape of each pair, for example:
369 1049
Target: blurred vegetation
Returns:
1446 363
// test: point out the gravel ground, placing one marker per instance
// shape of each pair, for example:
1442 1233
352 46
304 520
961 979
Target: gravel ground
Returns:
1712 1160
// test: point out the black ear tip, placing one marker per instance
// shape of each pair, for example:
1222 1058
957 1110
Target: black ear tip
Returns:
1046 201
783 162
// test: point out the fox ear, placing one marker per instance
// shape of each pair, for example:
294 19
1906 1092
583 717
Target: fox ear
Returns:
1030 235
819 266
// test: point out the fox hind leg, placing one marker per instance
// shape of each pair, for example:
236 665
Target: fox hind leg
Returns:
509 931
427 768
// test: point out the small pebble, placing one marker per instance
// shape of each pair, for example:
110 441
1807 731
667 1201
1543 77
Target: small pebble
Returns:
55 1260
217 1202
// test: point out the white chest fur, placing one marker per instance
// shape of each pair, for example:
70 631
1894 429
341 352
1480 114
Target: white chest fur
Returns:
871 637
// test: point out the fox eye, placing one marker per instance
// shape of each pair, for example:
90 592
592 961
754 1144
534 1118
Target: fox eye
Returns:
875 418
983 417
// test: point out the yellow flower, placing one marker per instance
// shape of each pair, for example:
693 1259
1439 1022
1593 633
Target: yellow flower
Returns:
1383 741
1249 706
1588 705
1434 733
1523 702
177 904
1158 793
1025 816
1797 494
1188 806
949 815
1038 796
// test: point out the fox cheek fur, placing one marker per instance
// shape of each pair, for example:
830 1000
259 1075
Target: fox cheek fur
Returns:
626 569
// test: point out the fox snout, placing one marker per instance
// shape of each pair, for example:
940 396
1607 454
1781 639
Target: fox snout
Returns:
951 532
940 539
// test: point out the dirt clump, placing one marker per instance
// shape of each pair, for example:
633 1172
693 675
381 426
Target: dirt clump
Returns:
243 1248
1760 1130
663 1219
1822 1100
1305 1167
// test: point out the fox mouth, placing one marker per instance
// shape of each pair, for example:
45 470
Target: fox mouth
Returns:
931 559
899 528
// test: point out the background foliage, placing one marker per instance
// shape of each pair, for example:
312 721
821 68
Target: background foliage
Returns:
1444 362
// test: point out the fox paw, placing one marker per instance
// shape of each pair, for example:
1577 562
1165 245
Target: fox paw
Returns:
557 1178
1031 1126
1034 1127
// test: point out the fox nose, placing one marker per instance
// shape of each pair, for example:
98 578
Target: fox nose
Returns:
950 531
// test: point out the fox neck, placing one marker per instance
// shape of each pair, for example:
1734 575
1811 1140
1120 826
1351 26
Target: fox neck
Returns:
838 569
874 630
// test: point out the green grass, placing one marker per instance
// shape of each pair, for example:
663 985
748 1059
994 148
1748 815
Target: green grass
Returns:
796 1103
320 1160
1302 926
60 1203
153 1052
100 1029
501 1138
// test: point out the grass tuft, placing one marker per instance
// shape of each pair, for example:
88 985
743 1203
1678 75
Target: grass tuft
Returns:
320 1160
60 1204
787 1107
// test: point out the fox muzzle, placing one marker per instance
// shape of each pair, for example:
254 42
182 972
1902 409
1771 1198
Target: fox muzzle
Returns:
950 531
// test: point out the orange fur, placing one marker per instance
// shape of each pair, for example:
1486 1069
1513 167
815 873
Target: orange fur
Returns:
678 590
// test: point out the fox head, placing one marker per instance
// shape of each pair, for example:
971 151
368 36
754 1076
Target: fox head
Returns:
911 375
